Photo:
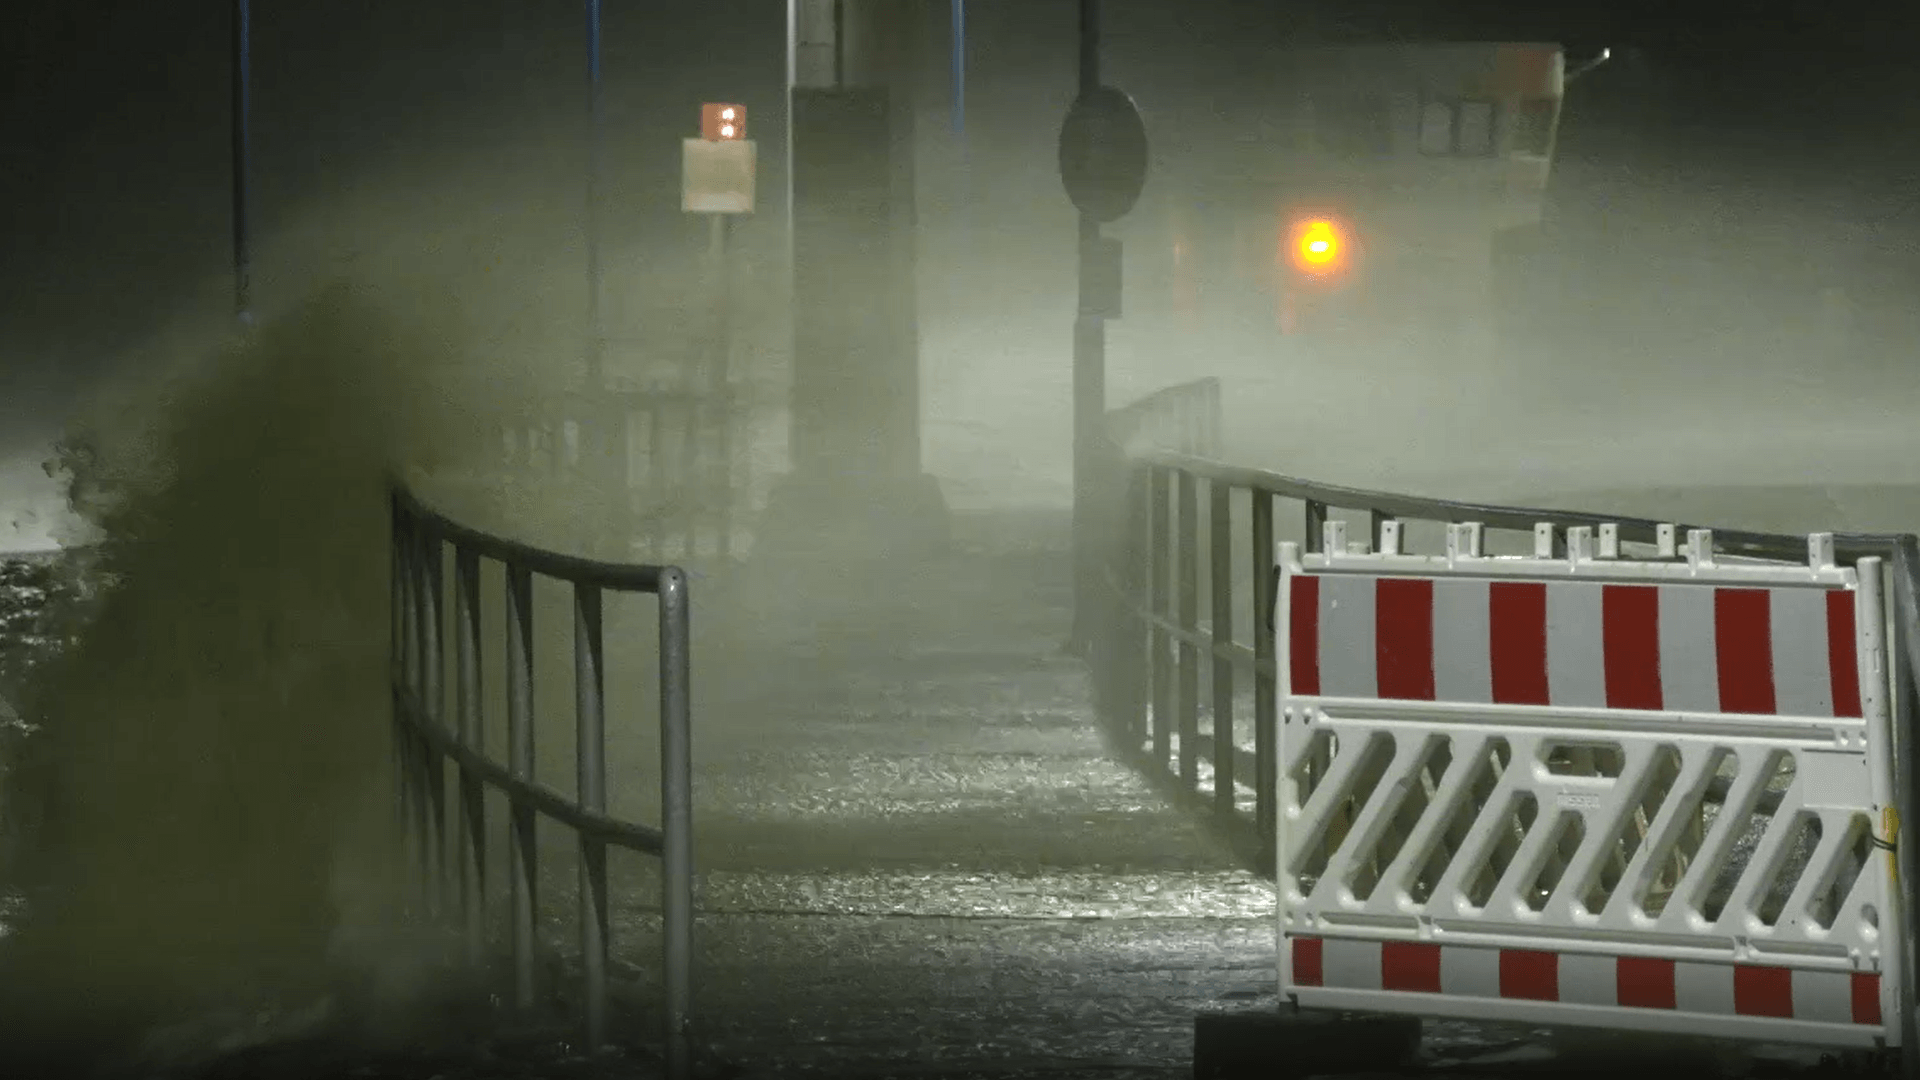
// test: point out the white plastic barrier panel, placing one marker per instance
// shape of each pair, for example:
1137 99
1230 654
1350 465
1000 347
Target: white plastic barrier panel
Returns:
1647 795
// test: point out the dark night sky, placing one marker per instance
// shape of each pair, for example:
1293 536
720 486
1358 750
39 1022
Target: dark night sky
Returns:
115 112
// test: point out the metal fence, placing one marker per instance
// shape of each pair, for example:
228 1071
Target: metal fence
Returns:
1186 655
673 453
426 746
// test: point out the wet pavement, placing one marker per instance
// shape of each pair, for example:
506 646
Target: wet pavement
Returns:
917 856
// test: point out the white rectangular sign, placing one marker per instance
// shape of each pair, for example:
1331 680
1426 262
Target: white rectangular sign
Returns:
717 177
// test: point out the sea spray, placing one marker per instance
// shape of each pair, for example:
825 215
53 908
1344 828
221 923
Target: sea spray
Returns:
208 777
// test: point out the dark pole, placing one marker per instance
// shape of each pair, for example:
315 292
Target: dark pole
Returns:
596 377
242 78
1089 372
960 67
603 451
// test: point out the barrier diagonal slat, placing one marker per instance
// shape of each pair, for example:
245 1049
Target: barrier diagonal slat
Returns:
1721 722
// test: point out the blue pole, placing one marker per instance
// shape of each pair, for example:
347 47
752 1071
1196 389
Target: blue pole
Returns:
242 78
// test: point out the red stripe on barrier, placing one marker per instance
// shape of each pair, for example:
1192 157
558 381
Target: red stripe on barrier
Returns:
1410 965
1403 638
1743 649
1630 618
1303 629
1644 982
1842 661
1530 975
1517 620
1762 991
1866 998
1309 968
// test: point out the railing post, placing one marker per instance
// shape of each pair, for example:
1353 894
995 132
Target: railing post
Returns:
524 854
590 749
403 677
658 480
1189 592
1215 422
687 484
472 734
1904 572
722 484
1265 682
1159 567
1131 672
676 815
1220 577
1315 520
432 707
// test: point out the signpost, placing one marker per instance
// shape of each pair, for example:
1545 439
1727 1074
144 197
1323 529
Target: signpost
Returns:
1103 165
717 179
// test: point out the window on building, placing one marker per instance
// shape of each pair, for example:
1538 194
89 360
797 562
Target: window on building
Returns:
1473 129
1458 129
1436 128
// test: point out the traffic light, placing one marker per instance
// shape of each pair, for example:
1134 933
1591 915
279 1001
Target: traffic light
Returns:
721 122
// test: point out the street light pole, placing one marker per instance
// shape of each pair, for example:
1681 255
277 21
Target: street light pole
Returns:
242 79
1089 369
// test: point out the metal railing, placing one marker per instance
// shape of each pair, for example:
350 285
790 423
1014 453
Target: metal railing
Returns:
426 745
1188 605
674 454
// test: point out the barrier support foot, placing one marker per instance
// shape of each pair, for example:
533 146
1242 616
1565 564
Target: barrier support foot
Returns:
1285 1041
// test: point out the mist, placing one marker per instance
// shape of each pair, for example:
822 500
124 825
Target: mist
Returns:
1692 333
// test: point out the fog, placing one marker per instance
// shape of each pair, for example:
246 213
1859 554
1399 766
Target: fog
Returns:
1718 340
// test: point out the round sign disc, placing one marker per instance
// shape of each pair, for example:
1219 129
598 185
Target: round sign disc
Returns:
1103 154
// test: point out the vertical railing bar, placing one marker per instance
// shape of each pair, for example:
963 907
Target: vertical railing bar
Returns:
1220 577
688 483
1138 555
620 467
1265 684
1902 603
433 699
419 755
724 508
590 748
524 852
1216 421
1160 663
676 815
1188 590
402 647
1377 527
1315 520
472 840
657 479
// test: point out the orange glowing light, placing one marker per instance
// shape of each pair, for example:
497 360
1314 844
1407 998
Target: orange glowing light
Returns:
1318 245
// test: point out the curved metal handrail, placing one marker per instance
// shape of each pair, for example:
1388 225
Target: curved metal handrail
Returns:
1494 515
620 577
1159 575
425 743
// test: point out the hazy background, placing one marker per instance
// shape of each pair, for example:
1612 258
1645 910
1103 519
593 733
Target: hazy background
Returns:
1721 300
1715 184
